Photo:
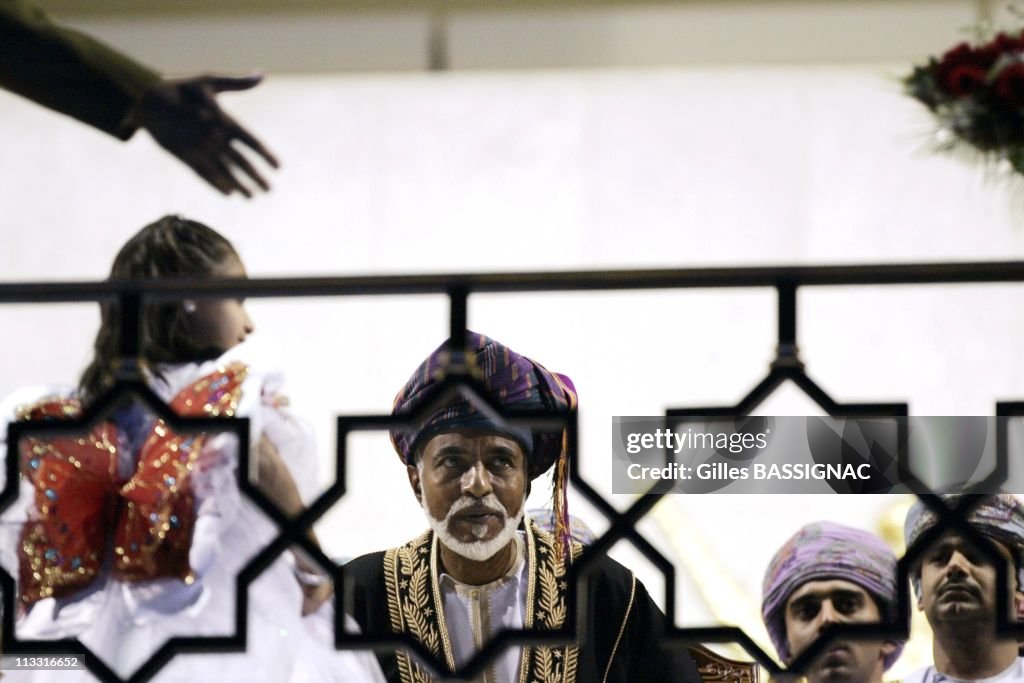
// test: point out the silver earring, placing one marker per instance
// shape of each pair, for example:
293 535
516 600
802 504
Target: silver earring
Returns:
189 306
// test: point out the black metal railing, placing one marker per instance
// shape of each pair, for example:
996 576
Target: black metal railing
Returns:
786 281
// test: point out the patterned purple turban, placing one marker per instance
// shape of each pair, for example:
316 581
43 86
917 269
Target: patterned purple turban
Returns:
825 551
510 381
1000 517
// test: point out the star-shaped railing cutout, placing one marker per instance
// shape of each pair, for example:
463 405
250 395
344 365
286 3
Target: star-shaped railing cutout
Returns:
458 385
956 519
95 413
787 368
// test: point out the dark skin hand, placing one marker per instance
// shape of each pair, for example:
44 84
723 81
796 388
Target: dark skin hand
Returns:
183 116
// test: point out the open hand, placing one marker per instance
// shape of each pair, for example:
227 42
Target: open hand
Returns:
183 116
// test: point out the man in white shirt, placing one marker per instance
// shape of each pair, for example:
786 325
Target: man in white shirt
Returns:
955 582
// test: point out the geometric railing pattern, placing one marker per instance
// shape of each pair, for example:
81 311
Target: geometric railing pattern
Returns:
787 366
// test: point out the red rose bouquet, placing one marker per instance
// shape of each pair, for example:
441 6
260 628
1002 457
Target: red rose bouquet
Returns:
977 94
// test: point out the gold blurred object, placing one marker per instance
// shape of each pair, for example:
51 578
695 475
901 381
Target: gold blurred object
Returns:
918 650
716 583
714 668
890 526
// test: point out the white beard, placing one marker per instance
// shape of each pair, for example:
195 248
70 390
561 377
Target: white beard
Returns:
479 550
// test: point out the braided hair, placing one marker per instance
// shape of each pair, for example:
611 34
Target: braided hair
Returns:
172 247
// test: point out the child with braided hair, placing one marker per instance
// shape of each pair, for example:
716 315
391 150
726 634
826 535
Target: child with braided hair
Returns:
133 534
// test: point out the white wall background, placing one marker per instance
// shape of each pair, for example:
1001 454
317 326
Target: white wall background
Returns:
668 166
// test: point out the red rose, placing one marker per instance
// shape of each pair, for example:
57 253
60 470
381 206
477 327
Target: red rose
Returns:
1005 43
964 80
958 54
1009 84
988 54
963 68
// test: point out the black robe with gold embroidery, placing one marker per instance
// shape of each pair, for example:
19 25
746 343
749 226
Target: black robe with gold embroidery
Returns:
397 591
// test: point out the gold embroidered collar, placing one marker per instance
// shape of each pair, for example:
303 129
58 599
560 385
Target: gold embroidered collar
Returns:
416 606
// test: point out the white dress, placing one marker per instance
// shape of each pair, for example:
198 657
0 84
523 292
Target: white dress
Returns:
125 622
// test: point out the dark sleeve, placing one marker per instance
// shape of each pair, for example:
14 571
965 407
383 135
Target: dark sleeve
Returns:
68 71
365 575
649 658
369 605
627 627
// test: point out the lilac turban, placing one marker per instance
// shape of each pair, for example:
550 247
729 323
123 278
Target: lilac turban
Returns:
1000 517
824 551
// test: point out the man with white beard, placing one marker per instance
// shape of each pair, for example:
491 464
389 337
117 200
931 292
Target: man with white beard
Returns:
480 570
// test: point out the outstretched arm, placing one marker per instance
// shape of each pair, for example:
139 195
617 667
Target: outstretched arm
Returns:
76 75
